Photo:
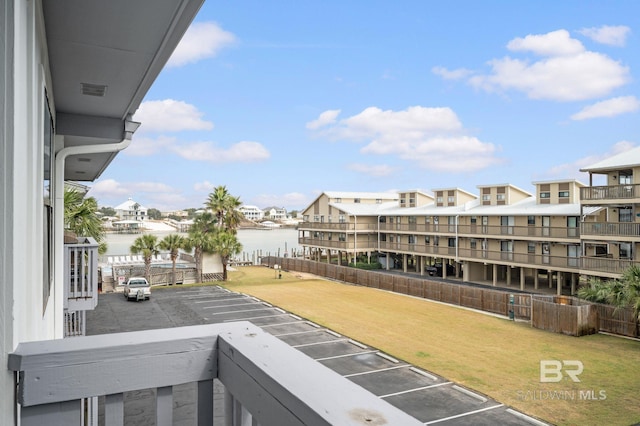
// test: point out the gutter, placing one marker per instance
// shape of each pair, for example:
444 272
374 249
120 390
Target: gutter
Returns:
130 127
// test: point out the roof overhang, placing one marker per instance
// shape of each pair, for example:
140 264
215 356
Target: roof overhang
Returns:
104 57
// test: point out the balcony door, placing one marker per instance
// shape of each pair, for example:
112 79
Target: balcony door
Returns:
546 226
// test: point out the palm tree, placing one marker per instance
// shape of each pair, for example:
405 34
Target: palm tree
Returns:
80 217
224 205
226 244
147 245
173 243
629 295
200 242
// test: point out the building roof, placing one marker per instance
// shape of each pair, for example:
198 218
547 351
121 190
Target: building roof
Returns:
367 195
103 57
128 205
623 160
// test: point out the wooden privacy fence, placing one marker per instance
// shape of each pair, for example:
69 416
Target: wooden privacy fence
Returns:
560 314
566 315
162 276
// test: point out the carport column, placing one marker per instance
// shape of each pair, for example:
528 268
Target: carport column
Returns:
559 288
536 280
573 283
388 261
465 271
421 260
509 271
522 274
444 268
404 262
495 275
550 278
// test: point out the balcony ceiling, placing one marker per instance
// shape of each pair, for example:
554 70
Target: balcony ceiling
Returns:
104 56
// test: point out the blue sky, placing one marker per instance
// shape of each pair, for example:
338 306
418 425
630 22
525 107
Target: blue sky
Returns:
282 100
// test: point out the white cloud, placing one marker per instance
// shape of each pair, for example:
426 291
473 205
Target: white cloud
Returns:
566 72
611 35
202 40
205 186
169 115
372 170
555 43
241 152
456 74
327 117
608 108
112 189
432 137
143 146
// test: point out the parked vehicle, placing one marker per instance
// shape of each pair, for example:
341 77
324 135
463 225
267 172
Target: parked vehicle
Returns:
137 288
436 270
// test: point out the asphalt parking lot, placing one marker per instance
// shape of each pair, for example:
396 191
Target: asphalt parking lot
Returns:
427 397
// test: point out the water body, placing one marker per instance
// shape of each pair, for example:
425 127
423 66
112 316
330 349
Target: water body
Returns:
255 242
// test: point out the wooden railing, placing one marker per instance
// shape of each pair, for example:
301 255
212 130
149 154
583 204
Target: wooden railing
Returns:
610 229
613 192
81 275
267 381
337 226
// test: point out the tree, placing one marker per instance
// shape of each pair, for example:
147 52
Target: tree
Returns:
226 244
80 217
173 243
154 214
200 242
147 245
107 211
224 205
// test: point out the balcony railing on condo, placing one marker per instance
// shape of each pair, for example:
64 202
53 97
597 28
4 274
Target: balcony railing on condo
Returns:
606 265
610 229
81 275
613 192
362 243
484 230
339 226
267 381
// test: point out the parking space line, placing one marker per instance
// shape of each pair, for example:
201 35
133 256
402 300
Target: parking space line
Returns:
324 342
230 312
377 371
280 323
252 318
457 416
468 392
298 332
234 304
333 333
358 344
209 301
415 389
345 355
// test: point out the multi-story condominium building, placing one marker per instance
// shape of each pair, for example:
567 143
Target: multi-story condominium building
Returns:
502 235
251 212
131 210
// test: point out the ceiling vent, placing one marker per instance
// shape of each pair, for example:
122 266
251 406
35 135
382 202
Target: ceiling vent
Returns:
93 89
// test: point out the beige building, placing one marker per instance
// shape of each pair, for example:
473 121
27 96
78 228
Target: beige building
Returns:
501 235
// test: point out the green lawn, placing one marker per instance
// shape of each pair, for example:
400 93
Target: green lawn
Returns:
495 356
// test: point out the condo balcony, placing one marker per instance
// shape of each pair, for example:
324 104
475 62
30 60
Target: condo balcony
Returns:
608 194
615 230
266 381
338 226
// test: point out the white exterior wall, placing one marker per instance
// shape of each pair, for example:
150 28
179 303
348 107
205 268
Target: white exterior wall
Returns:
23 72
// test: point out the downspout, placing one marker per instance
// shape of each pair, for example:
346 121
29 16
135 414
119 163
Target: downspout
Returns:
58 214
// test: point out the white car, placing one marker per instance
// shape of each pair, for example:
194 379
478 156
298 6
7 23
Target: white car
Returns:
137 288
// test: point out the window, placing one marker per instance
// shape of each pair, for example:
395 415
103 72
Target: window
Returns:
625 215
356 200
383 238
411 239
341 218
625 250
451 242
626 178
436 241
378 200
338 200
563 194
413 220
500 197
531 248
474 220
342 237
531 220
383 219
316 218
486 197
439 200
47 216
427 240
545 194
451 199
473 244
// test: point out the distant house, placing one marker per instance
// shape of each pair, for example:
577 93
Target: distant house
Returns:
276 213
251 212
130 210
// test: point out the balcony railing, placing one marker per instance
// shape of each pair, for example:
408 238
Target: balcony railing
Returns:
610 229
81 275
485 230
338 226
267 381
614 192
606 265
